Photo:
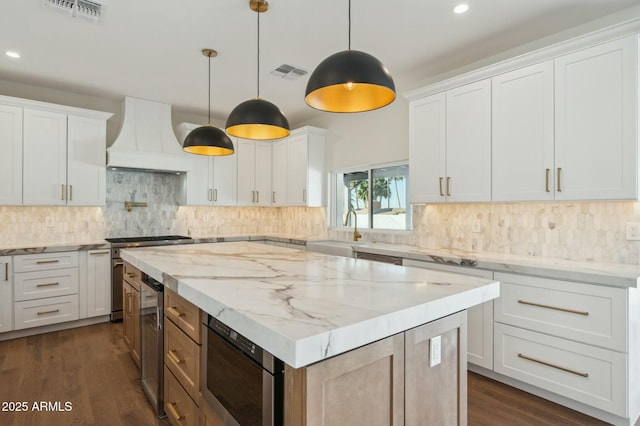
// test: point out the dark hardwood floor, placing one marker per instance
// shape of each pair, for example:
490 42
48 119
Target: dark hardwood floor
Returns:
90 368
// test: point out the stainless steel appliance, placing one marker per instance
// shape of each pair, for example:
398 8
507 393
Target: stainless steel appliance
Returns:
117 266
152 342
243 383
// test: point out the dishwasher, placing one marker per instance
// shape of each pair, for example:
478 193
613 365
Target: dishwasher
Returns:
152 342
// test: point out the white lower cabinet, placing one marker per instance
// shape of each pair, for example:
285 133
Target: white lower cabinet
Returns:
479 318
584 373
45 289
98 285
6 294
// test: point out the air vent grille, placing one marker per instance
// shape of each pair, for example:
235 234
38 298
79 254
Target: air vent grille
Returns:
290 72
87 9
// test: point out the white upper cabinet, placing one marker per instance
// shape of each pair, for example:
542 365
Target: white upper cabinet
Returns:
596 111
224 173
56 154
279 162
6 294
523 135
11 159
305 170
254 172
450 145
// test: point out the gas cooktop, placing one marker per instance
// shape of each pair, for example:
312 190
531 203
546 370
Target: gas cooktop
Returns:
153 240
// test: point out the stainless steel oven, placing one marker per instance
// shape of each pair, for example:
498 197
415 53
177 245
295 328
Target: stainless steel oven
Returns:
117 266
243 383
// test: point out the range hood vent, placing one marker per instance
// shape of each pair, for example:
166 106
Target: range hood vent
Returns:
146 140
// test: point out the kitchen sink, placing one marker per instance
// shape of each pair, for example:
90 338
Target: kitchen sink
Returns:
333 247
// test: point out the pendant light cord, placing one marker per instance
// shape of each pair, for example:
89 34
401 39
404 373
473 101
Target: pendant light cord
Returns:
349 15
209 104
258 59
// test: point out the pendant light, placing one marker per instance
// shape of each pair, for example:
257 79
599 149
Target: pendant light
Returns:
208 140
350 81
257 118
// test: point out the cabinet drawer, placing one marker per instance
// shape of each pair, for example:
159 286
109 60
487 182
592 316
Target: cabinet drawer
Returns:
34 313
182 357
180 408
132 275
582 312
183 313
41 284
594 376
45 261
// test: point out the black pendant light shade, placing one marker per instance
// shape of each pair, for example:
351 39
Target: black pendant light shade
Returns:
350 81
208 140
257 119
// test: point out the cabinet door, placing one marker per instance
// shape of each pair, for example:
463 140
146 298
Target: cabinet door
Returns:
86 171
522 134
297 188
6 294
246 172
98 283
596 119
262 181
11 160
45 158
468 163
279 162
427 139
200 181
225 177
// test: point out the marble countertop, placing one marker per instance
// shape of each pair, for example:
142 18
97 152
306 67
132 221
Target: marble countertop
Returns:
31 248
609 274
304 307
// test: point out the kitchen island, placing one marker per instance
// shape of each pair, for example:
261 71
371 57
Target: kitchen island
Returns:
310 310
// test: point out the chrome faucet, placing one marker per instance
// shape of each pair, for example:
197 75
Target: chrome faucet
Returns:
356 234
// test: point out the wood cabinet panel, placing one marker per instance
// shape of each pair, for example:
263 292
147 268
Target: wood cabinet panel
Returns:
184 314
180 408
182 357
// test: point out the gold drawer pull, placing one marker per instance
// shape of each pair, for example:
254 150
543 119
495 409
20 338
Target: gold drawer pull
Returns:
448 186
93 253
546 182
555 308
131 274
559 187
41 262
440 184
6 271
172 354
173 411
568 370
49 312
174 311
46 284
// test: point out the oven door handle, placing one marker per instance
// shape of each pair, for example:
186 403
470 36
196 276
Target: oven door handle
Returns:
118 263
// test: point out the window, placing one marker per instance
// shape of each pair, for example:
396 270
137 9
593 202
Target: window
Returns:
377 195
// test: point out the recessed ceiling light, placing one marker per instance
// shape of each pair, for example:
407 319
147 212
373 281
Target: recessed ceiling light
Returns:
461 8
12 54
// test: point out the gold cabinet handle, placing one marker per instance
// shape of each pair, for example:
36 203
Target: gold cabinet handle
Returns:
62 192
210 195
41 262
95 253
253 196
215 194
440 185
257 196
53 311
173 411
273 197
172 310
174 357
70 192
46 284
546 180
304 195
559 187
548 364
448 186
555 308
6 271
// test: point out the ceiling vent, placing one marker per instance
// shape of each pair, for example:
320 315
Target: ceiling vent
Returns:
289 72
87 9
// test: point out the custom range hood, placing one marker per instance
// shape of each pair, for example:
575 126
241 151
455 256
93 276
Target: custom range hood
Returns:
146 140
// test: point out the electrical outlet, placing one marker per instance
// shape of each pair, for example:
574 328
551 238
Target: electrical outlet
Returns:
476 226
435 351
633 231
48 221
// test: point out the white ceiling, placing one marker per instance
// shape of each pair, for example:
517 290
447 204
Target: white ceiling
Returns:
151 48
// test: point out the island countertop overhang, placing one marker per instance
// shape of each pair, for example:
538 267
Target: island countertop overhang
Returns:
304 307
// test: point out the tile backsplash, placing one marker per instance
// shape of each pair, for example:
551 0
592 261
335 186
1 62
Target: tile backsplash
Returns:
593 231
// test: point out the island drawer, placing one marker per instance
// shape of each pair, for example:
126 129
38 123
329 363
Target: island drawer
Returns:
132 275
586 313
52 310
183 313
180 408
41 284
182 357
44 261
593 376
